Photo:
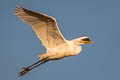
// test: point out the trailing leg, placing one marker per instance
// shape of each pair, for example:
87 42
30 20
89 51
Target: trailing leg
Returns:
27 69
42 60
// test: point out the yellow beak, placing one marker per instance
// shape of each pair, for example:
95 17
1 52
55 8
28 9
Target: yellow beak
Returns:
86 42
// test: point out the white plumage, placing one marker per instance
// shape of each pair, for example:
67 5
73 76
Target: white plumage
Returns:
47 31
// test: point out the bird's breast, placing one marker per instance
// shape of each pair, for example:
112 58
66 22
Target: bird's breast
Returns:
77 50
72 49
63 51
59 52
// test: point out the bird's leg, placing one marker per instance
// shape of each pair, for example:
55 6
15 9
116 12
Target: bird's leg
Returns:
27 69
33 64
38 64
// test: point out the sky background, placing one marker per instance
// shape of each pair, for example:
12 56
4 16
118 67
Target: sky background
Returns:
98 19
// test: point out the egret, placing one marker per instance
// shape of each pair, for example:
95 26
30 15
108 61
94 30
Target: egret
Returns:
46 29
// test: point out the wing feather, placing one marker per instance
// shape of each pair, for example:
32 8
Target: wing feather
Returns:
45 26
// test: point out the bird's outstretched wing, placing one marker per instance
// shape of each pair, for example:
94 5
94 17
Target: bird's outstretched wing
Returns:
45 26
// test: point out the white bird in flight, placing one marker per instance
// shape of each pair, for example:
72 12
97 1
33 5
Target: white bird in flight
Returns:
46 29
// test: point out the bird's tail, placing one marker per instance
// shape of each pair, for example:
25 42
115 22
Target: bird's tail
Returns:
43 56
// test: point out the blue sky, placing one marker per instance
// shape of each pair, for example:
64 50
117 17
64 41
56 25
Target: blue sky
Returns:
98 19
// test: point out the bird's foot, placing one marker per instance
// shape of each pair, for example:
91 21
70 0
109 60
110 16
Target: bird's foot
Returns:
24 71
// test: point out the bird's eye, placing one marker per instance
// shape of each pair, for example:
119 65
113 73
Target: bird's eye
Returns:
86 39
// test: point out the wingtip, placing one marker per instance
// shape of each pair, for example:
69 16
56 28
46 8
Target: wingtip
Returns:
17 9
18 6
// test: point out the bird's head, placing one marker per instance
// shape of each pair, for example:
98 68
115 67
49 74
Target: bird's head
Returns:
82 40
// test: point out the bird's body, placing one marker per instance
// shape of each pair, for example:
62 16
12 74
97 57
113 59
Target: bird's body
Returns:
61 51
47 31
